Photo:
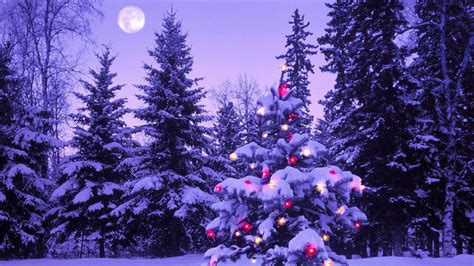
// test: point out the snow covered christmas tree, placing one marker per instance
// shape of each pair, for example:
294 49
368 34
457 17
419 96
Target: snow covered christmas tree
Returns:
287 210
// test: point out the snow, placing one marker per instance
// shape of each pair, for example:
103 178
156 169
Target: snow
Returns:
197 260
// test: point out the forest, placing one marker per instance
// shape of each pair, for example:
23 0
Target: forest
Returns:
387 170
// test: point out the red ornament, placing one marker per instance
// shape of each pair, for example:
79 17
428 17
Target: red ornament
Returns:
248 182
211 234
246 227
292 116
332 172
290 136
265 173
288 204
218 188
310 250
283 90
357 225
292 160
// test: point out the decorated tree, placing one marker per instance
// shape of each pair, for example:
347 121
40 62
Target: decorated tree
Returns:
286 211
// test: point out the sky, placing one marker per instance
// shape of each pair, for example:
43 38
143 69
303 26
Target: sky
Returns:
227 38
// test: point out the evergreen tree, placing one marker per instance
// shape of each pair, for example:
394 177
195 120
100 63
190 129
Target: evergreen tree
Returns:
368 114
90 183
227 130
299 66
284 210
443 70
169 200
23 153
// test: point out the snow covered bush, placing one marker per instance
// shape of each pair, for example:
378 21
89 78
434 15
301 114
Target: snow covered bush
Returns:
287 210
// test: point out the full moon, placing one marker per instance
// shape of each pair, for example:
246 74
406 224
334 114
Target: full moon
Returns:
131 19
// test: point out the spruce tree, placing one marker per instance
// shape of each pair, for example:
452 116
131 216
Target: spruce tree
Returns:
169 199
23 153
297 59
368 116
227 129
91 177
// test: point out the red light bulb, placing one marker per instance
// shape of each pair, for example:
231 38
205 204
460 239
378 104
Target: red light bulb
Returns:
290 136
292 160
292 116
310 251
246 227
332 172
218 188
211 234
248 182
357 225
283 90
265 173
288 204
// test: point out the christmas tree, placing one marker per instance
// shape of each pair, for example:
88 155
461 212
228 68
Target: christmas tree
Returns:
286 211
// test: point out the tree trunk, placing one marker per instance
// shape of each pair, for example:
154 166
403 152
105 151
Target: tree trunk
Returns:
436 244
397 240
448 220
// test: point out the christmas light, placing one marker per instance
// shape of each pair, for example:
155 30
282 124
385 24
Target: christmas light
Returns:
288 204
281 221
332 172
265 173
285 127
233 156
341 210
218 188
328 262
246 227
292 160
253 260
290 136
362 188
237 233
310 251
261 111
292 116
211 234
265 135
325 237
253 166
320 187
248 182
283 67
272 184
283 90
357 225
306 152
258 240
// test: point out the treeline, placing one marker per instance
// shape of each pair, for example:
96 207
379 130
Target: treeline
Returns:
399 116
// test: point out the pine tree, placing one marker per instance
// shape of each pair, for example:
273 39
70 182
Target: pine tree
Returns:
297 59
227 129
368 115
444 57
284 210
90 183
23 152
170 198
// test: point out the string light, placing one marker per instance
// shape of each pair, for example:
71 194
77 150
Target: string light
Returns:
265 135
306 152
261 110
341 210
357 225
247 227
265 173
218 188
283 90
362 188
328 262
292 116
281 221
288 204
332 172
290 136
253 166
211 234
253 260
283 67
272 184
237 233
292 160
310 251
258 240
285 127
320 187
233 156
325 237
248 182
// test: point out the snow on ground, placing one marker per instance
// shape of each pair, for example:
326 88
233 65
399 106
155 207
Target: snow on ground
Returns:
197 260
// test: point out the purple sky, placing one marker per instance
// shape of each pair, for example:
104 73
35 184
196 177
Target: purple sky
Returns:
227 37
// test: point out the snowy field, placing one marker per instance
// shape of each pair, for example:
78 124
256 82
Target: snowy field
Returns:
197 260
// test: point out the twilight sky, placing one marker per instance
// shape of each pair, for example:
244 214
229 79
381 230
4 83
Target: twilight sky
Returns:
227 37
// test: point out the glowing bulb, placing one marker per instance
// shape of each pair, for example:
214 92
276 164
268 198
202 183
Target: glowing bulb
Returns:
310 250
288 204
272 184
320 187
237 233
248 182
233 156
253 260
261 111
357 224
362 188
285 127
211 233
306 152
325 237
265 135
247 227
218 188
328 262
341 210
253 166
283 67
281 221
258 240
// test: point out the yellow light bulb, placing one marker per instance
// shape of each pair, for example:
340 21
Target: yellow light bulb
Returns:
233 157
326 237
261 111
272 184
238 233
320 187
281 221
264 135
258 240
328 262
283 67
253 166
285 127
306 152
254 260
341 210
